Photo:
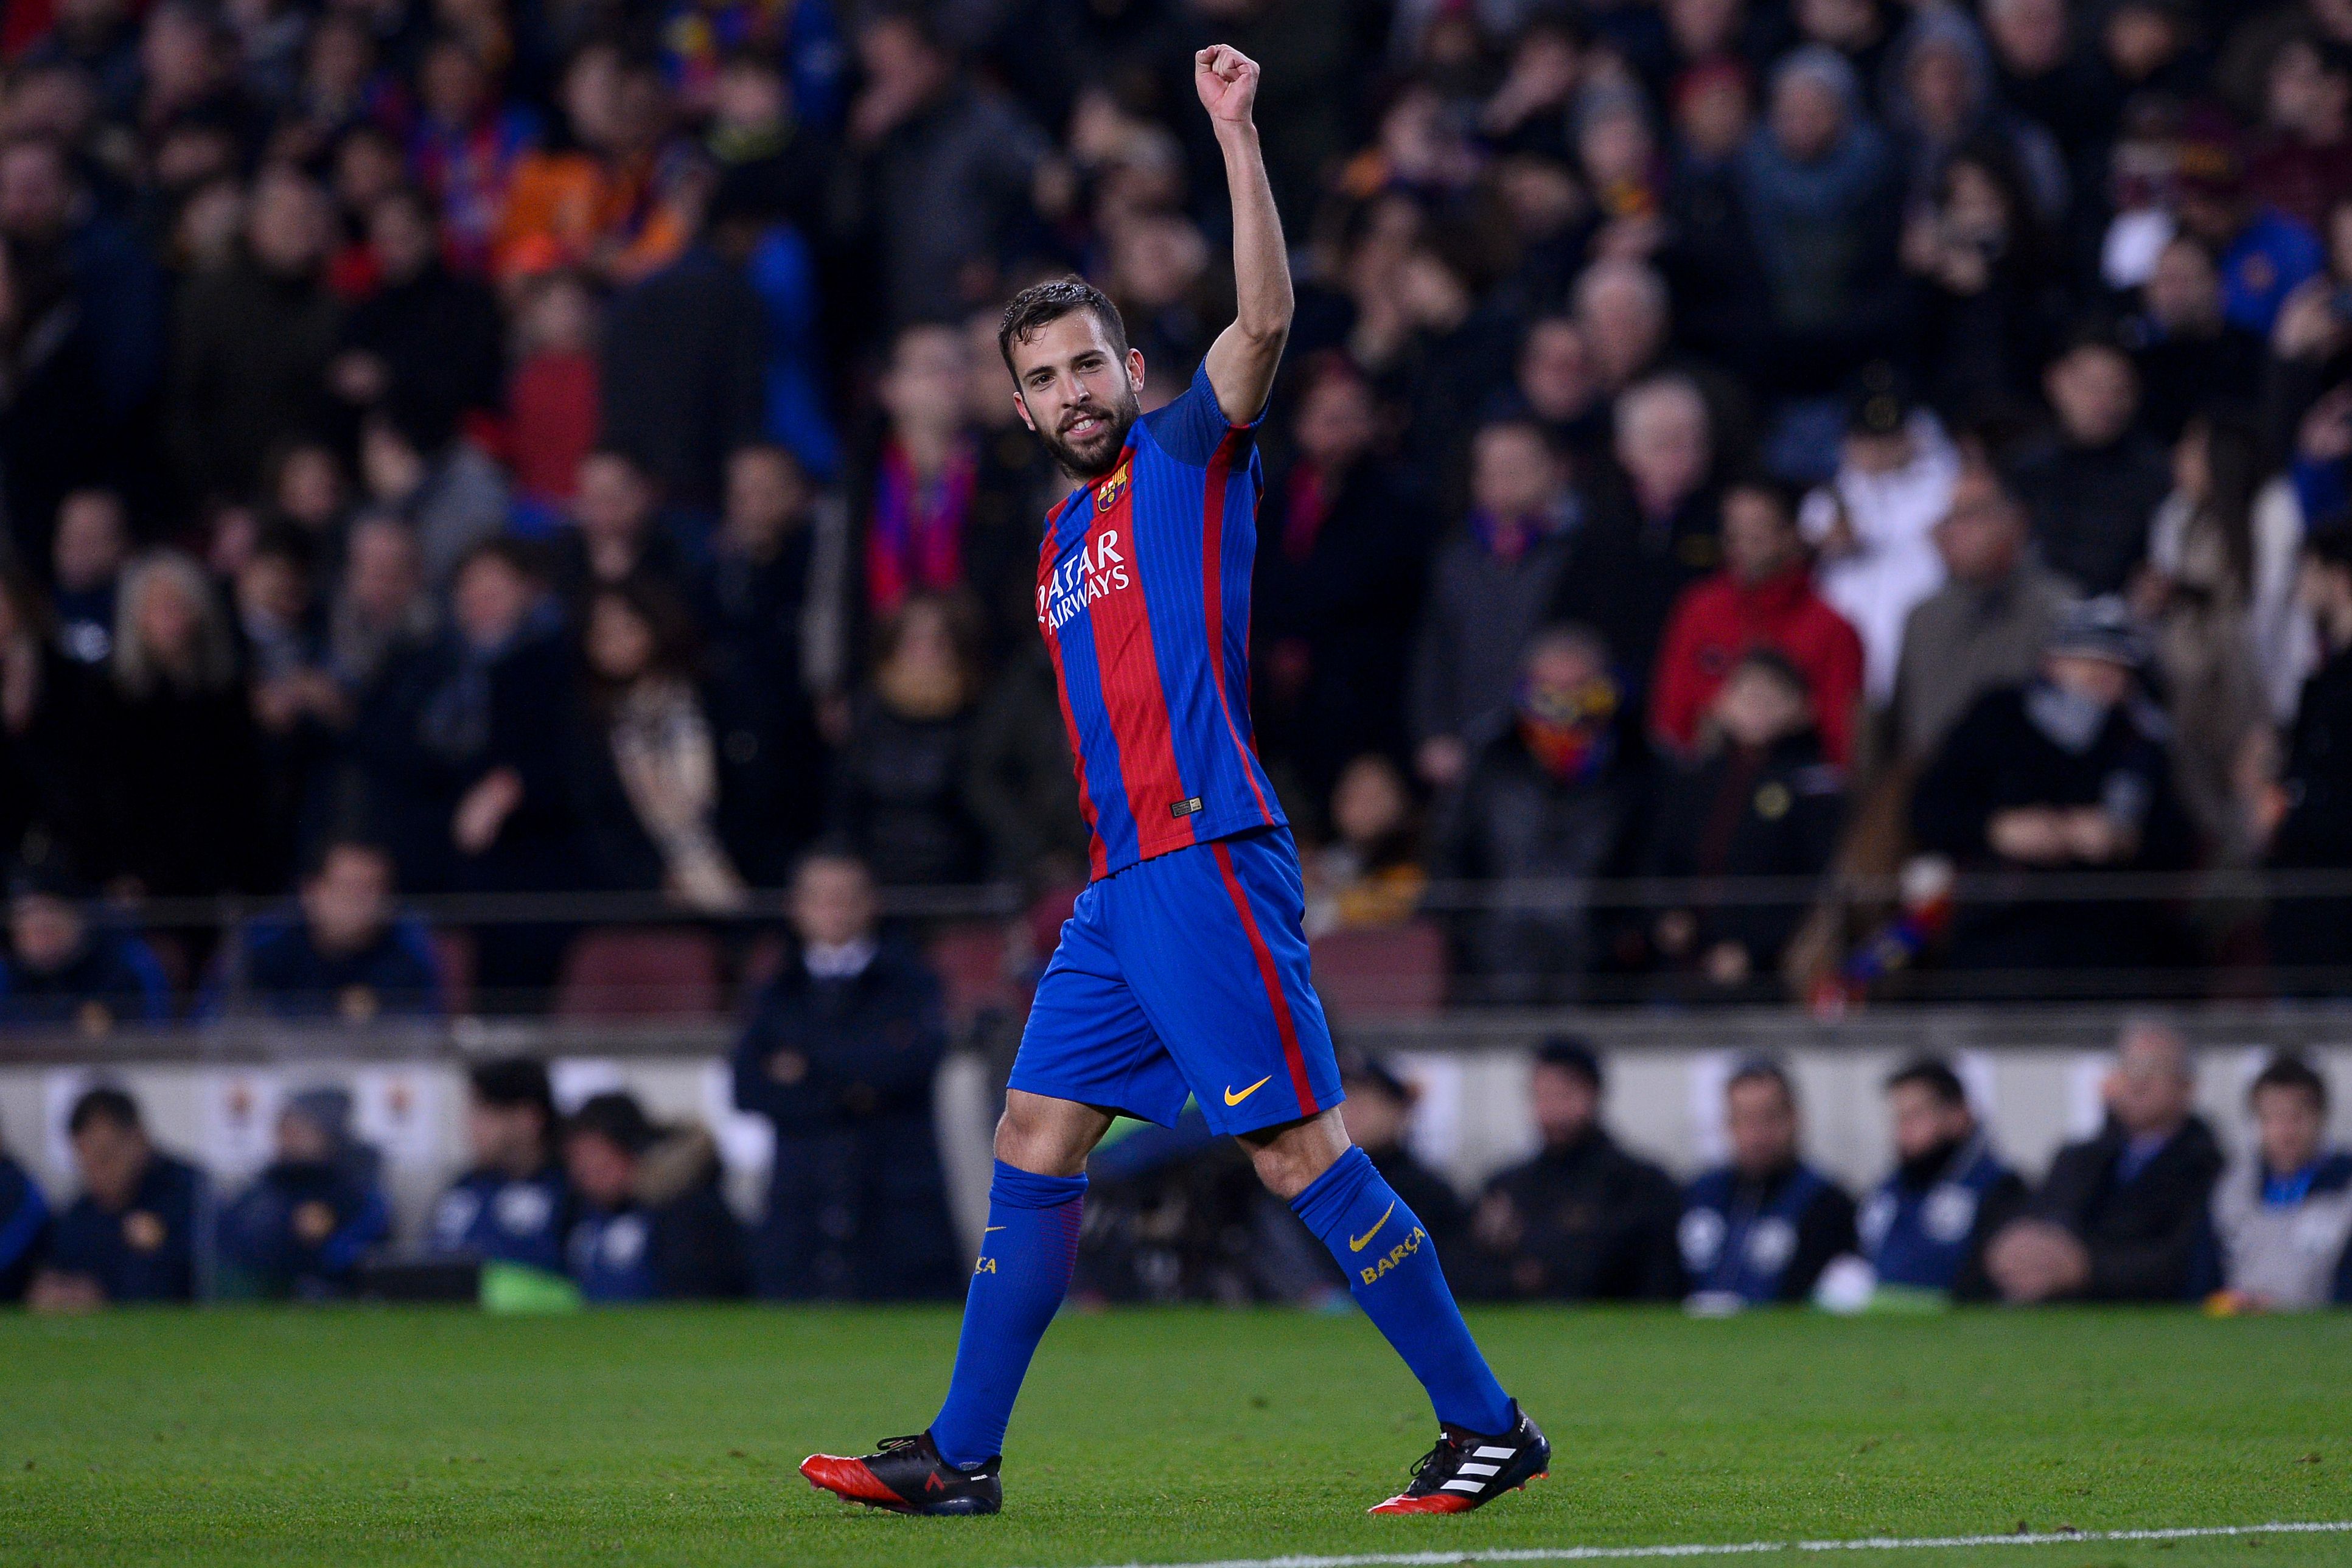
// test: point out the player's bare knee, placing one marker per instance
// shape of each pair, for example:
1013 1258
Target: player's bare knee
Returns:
1045 1136
1289 1158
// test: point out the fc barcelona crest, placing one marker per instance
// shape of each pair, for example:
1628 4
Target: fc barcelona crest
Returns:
1112 489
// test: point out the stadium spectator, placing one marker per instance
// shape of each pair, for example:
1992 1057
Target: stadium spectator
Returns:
253 340
946 171
1761 1229
1371 873
839 1052
55 335
1336 577
553 388
1584 1220
464 147
66 969
2306 815
1496 579
1764 598
1986 628
1379 1114
86 558
345 952
691 351
617 529
1822 192
130 1236
647 771
2069 773
900 799
2189 355
2264 254
24 1228
1987 301
650 1224
604 195
462 746
446 490
2121 1216
50 705
754 599
1762 801
1926 1227
2283 1212
512 1205
2091 487
1657 521
314 1211
921 500
379 608
425 345
2219 591
1557 795
1871 525
182 769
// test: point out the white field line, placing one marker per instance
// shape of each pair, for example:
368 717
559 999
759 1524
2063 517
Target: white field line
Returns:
1750 1548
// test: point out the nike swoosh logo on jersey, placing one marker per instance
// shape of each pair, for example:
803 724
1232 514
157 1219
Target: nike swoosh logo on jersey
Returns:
1234 1099
1357 1243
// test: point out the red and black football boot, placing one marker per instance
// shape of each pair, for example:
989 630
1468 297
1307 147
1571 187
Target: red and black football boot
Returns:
1467 1469
907 1476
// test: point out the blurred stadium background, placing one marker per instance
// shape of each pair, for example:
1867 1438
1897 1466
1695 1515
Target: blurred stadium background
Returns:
1801 533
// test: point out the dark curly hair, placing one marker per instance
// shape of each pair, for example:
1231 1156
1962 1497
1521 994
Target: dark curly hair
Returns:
1029 311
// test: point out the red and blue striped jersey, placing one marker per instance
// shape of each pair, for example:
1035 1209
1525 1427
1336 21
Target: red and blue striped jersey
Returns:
1143 584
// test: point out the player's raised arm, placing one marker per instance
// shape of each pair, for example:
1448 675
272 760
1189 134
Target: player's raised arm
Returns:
1242 361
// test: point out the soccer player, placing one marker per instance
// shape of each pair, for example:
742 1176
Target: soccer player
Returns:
1183 972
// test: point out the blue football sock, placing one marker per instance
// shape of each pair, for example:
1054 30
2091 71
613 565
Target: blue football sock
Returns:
1392 1272
1026 1259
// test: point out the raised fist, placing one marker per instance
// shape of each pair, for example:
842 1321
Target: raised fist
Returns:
1226 80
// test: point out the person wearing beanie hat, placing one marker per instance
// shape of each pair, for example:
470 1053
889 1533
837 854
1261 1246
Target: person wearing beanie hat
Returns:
651 1224
2069 772
313 1213
1583 1219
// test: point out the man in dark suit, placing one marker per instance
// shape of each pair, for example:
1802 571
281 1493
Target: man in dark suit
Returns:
2121 1216
840 1054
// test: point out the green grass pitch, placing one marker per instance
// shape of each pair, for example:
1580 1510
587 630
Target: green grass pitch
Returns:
361 1436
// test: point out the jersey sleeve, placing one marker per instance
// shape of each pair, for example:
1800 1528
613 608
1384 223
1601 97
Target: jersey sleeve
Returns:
1189 428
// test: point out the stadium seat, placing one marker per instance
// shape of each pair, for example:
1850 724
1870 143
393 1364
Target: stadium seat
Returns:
452 949
969 958
640 973
1391 971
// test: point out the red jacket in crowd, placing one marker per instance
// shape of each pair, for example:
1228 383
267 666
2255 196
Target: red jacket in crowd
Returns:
1716 621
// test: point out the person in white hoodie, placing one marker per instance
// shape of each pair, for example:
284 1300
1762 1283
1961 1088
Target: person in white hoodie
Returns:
1871 525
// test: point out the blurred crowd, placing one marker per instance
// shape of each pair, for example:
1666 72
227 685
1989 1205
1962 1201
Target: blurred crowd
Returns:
493 447
606 1206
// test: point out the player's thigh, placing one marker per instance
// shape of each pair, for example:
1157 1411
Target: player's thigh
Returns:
1210 944
1089 1041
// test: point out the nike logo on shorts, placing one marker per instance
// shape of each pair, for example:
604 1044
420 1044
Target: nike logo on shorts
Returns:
1234 1099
